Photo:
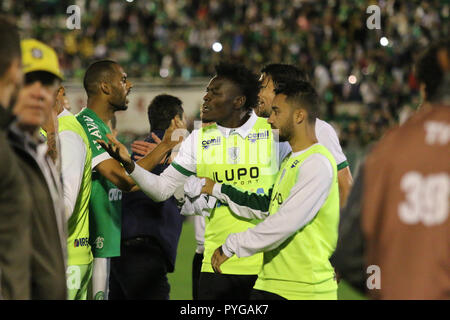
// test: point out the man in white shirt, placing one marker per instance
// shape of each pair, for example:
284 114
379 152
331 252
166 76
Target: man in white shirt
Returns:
301 212
274 75
230 97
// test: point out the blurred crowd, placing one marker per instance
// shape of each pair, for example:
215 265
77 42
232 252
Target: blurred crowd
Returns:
329 39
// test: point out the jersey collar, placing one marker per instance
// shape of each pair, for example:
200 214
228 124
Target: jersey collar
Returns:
64 113
243 130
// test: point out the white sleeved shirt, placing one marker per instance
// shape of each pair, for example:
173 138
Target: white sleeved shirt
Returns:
199 227
305 200
327 136
73 155
160 188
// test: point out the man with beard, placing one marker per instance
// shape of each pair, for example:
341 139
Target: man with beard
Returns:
238 147
276 74
107 88
301 211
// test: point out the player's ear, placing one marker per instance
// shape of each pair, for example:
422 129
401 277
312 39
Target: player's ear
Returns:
299 116
105 88
239 102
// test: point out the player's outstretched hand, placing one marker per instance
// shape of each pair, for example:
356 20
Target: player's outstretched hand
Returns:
142 148
217 259
118 151
175 133
208 186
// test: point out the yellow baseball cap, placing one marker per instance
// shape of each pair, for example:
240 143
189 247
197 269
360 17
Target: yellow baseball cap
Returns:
37 56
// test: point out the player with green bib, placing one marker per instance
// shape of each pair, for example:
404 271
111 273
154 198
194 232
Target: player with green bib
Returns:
240 149
76 159
300 230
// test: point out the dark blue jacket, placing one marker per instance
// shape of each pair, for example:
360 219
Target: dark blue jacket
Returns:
141 216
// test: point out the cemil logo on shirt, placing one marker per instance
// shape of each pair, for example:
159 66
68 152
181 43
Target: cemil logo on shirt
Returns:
252 137
211 142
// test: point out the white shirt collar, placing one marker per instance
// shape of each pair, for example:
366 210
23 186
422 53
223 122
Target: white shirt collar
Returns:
243 130
64 113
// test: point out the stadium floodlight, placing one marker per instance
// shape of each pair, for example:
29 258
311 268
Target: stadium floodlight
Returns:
217 46
352 79
384 41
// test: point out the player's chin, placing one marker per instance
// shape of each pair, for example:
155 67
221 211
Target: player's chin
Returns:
121 107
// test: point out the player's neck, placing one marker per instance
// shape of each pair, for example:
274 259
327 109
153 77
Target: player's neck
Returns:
236 120
303 138
101 109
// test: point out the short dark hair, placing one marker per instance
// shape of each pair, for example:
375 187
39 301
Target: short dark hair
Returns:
162 110
301 94
98 71
282 73
244 79
10 43
428 70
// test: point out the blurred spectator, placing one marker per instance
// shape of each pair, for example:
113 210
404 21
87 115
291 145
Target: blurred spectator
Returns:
328 39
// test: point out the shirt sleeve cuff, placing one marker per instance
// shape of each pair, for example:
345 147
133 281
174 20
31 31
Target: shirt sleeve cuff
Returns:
217 190
135 172
226 249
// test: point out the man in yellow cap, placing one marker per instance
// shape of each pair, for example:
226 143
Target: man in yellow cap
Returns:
47 227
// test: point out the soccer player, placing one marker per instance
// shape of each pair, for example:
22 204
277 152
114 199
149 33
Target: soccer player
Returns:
238 148
107 88
393 237
276 74
150 231
300 231
76 161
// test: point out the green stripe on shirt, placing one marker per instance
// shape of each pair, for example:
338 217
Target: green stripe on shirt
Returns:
182 170
254 201
342 165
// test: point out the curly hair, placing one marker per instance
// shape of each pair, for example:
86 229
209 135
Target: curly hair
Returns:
244 79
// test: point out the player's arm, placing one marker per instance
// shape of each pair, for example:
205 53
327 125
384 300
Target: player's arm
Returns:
305 200
73 156
348 258
158 188
113 170
329 138
244 204
345 182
